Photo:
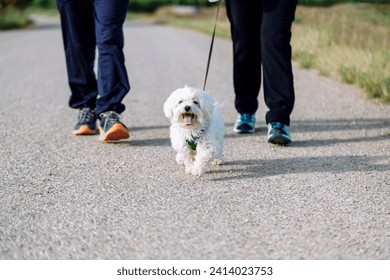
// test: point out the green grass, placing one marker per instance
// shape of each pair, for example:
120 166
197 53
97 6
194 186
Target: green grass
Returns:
378 15
306 58
11 18
350 41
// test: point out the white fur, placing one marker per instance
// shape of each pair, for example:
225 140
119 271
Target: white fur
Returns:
207 126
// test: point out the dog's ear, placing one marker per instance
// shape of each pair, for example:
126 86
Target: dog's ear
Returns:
207 104
168 108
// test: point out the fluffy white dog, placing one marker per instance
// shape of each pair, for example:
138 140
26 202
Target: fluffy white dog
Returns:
197 128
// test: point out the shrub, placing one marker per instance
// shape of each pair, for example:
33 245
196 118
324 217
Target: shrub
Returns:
12 18
305 58
45 4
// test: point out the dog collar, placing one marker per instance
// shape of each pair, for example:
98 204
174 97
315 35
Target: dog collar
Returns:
191 142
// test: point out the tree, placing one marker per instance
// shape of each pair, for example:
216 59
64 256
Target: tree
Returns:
13 3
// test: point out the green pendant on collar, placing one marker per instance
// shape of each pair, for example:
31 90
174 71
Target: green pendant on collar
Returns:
191 144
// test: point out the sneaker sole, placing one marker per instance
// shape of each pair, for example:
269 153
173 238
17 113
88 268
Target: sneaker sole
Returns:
116 133
238 131
84 130
278 139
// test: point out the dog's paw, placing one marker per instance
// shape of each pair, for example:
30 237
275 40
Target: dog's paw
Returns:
188 169
180 159
197 171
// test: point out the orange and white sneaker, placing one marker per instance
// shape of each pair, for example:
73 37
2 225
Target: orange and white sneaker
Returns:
111 129
86 124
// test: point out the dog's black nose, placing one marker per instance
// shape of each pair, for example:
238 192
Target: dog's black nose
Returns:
187 108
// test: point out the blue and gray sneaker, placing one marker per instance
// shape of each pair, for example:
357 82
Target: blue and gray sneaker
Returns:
111 128
86 123
245 123
278 133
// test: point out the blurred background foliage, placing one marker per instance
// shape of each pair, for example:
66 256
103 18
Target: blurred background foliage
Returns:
151 5
13 12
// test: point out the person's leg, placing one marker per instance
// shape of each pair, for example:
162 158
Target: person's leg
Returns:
78 31
276 59
245 20
113 84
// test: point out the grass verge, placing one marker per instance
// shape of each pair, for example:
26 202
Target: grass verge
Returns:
348 41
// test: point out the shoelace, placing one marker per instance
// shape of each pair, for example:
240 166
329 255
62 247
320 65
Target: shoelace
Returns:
86 114
277 125
282 128
111 117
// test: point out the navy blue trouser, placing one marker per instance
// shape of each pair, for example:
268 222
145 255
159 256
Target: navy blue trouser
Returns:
261 34
87 24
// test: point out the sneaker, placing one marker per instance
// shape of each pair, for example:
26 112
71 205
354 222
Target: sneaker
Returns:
278 133
86 124
245 123
111 129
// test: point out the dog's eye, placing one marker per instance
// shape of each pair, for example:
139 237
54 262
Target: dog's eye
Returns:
181 101
196 102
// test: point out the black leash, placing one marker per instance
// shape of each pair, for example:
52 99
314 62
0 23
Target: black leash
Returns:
212 44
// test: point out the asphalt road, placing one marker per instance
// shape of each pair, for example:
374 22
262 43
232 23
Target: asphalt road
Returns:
326 196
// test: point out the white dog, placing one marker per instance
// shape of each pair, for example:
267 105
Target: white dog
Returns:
197 128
